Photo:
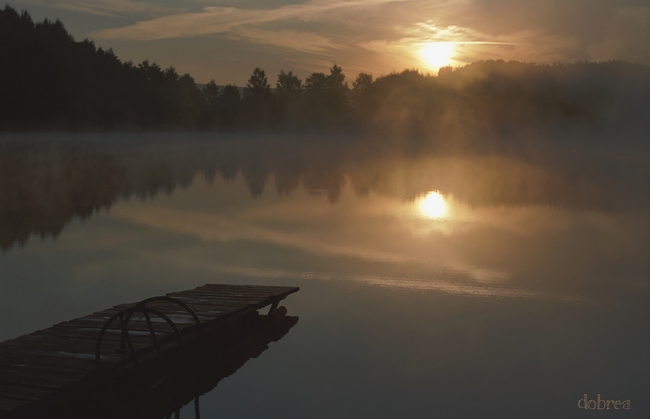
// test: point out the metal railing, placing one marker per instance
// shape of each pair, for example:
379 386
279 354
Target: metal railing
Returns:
125 316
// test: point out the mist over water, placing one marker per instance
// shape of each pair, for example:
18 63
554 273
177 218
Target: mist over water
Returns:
435 281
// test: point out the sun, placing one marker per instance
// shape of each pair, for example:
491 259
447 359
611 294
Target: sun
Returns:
433 205
437 54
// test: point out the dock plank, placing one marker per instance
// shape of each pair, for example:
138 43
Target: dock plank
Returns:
37 365
24 392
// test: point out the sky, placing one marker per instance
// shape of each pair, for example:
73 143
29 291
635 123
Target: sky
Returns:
226 40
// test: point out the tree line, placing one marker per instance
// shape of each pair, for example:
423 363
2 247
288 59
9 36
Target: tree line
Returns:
49 81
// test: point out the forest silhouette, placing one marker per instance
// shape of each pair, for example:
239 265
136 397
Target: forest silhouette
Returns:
49 81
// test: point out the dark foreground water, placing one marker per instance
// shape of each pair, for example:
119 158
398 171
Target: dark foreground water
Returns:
432 284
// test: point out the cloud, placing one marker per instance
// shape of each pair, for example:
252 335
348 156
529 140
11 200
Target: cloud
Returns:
290 39
468 43
379 36
111 7
340 28
214 20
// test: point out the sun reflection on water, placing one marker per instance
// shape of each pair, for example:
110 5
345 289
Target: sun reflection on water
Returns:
433 205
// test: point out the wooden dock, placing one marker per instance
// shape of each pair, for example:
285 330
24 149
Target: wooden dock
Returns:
47 369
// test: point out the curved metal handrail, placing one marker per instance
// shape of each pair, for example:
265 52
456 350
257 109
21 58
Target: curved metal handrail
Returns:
175 301
125 316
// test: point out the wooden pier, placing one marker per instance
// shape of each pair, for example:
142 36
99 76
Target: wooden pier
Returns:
43 373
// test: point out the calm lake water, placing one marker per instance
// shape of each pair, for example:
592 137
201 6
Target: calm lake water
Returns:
432 284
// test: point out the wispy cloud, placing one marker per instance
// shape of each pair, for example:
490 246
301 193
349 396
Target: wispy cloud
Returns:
112 7
213 20
376 36
407 47
316 27
290 39
390 29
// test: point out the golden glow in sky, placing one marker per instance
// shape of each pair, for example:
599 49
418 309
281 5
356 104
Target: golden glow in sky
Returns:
437 54
196 36
433 205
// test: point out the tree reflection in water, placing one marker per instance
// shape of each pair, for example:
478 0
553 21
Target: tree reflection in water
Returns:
45 184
